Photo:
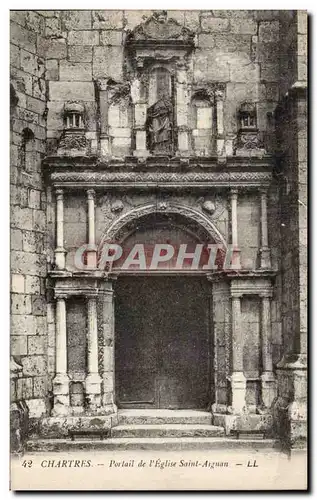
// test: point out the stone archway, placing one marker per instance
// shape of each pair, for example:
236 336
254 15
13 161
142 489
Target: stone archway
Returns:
163 331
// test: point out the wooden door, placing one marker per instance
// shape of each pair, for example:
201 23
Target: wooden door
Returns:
162 343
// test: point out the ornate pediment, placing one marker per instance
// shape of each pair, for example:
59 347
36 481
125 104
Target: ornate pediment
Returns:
158 29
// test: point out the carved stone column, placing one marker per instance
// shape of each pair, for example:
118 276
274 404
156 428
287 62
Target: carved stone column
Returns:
93 380
104 129
108 400
219 98
139 119
265 254
238 380
268 383
61 379
60 250
91 253
234 230
182 110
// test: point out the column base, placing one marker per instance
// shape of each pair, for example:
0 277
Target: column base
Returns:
60 254
238 391
61 394
265 258
93 390
268 387
290 408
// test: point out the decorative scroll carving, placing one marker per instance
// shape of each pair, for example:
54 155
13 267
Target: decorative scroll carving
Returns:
159 28
167 208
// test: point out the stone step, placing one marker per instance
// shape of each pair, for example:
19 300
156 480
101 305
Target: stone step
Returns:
186 443
166 430
152 417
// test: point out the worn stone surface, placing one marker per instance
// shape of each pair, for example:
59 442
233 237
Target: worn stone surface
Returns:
59 56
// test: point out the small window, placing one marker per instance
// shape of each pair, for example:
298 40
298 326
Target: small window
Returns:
26 149
201 124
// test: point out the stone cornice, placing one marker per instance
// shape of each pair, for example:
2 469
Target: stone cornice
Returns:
75 179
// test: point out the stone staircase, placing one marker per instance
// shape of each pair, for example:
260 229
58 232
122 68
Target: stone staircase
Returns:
154 429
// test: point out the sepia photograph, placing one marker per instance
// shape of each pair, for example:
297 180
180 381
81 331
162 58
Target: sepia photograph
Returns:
158 262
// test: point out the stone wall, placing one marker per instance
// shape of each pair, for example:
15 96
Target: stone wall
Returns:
237 48
28 208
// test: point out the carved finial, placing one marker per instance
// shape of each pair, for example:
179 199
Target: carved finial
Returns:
161 16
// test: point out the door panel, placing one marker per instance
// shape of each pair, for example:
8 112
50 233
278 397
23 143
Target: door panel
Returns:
162 342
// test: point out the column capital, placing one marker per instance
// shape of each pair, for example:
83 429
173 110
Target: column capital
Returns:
236 295
91 193
60 295
263 190
234 192
59 194
266 294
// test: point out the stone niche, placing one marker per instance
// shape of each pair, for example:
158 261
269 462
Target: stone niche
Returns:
73 139
248 141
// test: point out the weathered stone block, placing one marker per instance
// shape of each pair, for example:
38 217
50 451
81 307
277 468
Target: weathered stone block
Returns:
52 48
36 407
108 62
14 55
302 68
214 24
18 16
18 346
36 345
23 81
191 19
269 31
38 305
38 91
206 40
33 242
302 22
270 71
65 91
80 72
28 263
32 64
21 218
34 200
120 132
40 387
76 19
83 38
39 220
53 27
25 388
17 283
35 105
20 304
80 53
107 19
34 21
244 73
111 37
32 284
243 26
34 365
22 37
22 325
16 239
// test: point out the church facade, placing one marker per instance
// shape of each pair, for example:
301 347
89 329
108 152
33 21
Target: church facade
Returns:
141 142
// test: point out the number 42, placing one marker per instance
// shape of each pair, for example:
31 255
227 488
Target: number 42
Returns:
27 463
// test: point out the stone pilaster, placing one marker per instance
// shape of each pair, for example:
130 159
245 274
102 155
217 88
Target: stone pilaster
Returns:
182 111
93 380
91 252
61 379
108 400
104 107
234 230
60 250
265 253
219 98
268 382
238 380
139 108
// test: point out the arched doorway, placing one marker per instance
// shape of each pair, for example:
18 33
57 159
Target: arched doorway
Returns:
163 319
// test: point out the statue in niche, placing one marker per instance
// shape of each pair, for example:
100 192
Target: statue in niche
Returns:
159 126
